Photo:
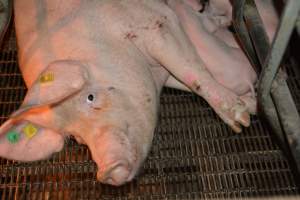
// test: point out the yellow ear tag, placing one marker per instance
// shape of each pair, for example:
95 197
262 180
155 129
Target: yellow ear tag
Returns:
47 77
30 130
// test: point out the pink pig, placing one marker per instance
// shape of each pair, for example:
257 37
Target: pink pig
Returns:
95 70
228 65
220 11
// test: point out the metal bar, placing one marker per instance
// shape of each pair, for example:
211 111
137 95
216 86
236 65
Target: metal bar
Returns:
262 47
256 30
6 8
260 40
298 25
288 114
242 33
273 60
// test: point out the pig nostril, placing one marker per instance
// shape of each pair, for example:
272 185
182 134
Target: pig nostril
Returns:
117 175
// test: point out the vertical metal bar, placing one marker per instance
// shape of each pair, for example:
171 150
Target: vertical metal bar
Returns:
6 7
262 46
256 30
298 25
282 37
271 60
287 112
242 32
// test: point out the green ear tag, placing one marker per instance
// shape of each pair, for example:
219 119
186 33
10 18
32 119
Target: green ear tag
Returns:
13 136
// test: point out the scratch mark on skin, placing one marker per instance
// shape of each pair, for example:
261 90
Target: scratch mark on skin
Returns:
111 88
159 24
130 36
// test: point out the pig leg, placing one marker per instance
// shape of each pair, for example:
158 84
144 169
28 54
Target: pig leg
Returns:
169 45
249 99
222 33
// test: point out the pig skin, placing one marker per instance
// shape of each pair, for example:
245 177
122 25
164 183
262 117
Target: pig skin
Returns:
224 62
107 61
220 12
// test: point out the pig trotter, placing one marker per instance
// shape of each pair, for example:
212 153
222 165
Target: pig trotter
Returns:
251 102
232 109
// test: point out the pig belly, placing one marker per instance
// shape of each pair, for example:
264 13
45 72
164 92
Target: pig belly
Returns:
229 66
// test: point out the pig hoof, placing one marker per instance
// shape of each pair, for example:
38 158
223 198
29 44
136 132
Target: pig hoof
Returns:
251 103
231 109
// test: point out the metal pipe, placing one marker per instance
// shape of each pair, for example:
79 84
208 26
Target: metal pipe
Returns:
6 7
270 59
242 33
273 59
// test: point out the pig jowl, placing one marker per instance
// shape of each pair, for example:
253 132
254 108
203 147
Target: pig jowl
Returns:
95 70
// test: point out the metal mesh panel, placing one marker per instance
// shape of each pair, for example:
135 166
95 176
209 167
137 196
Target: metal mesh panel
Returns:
194 155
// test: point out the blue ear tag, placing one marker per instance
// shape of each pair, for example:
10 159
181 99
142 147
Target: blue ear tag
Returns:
13 137
30 131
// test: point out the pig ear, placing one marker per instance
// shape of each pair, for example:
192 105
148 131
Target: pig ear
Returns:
25 141
60 80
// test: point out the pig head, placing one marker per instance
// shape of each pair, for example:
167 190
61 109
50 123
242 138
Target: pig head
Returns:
117 124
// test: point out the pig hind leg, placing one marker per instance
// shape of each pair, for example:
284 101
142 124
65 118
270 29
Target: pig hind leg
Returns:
170 46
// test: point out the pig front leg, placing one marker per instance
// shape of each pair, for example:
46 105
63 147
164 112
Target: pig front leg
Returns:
170 46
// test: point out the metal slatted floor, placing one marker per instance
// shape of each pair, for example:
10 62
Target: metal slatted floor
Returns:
194 155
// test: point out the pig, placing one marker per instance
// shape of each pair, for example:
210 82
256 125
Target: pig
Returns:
220 12
225 62
95 70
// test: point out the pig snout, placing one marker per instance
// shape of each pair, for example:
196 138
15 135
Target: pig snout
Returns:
116 158
116 173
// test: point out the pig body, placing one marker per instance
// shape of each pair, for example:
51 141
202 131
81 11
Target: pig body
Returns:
94 70
224 62
220 12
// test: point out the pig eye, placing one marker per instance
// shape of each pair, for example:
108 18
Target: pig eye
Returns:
90 98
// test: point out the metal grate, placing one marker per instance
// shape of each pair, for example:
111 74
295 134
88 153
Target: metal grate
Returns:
194 155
